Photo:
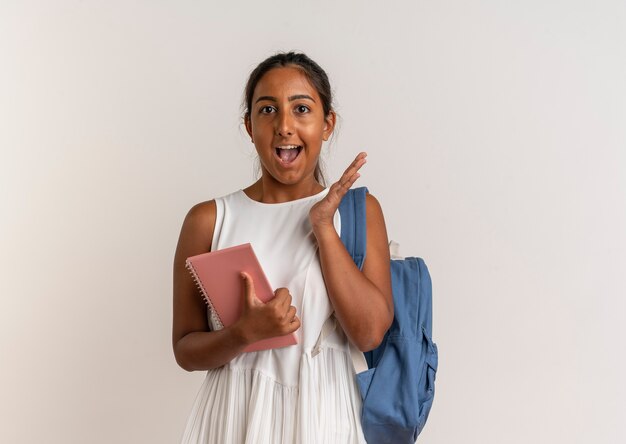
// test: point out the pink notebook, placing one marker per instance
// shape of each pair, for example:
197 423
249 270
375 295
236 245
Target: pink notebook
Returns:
217 276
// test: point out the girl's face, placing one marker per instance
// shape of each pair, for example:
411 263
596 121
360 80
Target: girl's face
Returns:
287 112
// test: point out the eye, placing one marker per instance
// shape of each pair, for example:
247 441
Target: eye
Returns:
266 109
302 109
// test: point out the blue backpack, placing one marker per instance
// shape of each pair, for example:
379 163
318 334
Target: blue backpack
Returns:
399 386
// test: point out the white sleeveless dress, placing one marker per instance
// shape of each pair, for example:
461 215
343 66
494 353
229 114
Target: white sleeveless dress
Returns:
302 394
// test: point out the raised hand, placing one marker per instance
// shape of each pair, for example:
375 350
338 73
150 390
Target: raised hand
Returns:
260 320
321 214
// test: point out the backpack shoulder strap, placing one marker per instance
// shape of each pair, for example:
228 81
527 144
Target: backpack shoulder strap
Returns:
353 224
353 235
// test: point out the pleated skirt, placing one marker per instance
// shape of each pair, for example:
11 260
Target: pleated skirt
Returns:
244 405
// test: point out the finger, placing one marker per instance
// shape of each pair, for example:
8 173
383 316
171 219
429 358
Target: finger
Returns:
249 294
357 163
341 187
291 314
293 326
287 303
350 174
282 299
350 181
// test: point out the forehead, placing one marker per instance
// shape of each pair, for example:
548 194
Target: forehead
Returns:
283 82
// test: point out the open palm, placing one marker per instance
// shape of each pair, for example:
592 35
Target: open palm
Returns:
323 211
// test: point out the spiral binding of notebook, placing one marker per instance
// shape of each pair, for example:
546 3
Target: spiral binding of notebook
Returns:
214 315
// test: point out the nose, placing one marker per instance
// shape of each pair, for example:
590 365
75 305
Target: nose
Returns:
284 124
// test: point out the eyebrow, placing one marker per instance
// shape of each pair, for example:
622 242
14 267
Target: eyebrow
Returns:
291 98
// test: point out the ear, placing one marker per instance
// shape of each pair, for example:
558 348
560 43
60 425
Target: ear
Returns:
329 124
248 124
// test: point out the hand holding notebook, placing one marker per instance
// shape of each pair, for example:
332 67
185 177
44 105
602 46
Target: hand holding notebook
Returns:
218 276
260 320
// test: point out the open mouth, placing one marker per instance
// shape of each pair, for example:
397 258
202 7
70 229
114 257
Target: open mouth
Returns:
287 154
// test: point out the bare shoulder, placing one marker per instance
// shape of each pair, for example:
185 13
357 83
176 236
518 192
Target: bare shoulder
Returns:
376 228
196 234
374 213
203 210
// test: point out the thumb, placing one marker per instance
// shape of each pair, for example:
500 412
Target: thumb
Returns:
249 294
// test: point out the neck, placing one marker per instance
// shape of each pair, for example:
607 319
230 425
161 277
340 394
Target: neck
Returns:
268 190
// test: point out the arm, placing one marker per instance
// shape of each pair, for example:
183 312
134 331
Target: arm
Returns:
195 346
362 299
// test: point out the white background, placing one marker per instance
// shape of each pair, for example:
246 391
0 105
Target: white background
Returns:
497 147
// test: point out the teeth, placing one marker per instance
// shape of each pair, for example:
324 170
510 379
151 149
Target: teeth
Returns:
288 147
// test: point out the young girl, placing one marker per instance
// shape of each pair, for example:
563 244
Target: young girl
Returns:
304 393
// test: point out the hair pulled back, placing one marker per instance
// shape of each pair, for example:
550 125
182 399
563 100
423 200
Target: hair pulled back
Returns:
314 74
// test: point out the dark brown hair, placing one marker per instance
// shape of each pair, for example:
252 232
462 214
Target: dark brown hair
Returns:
313 72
